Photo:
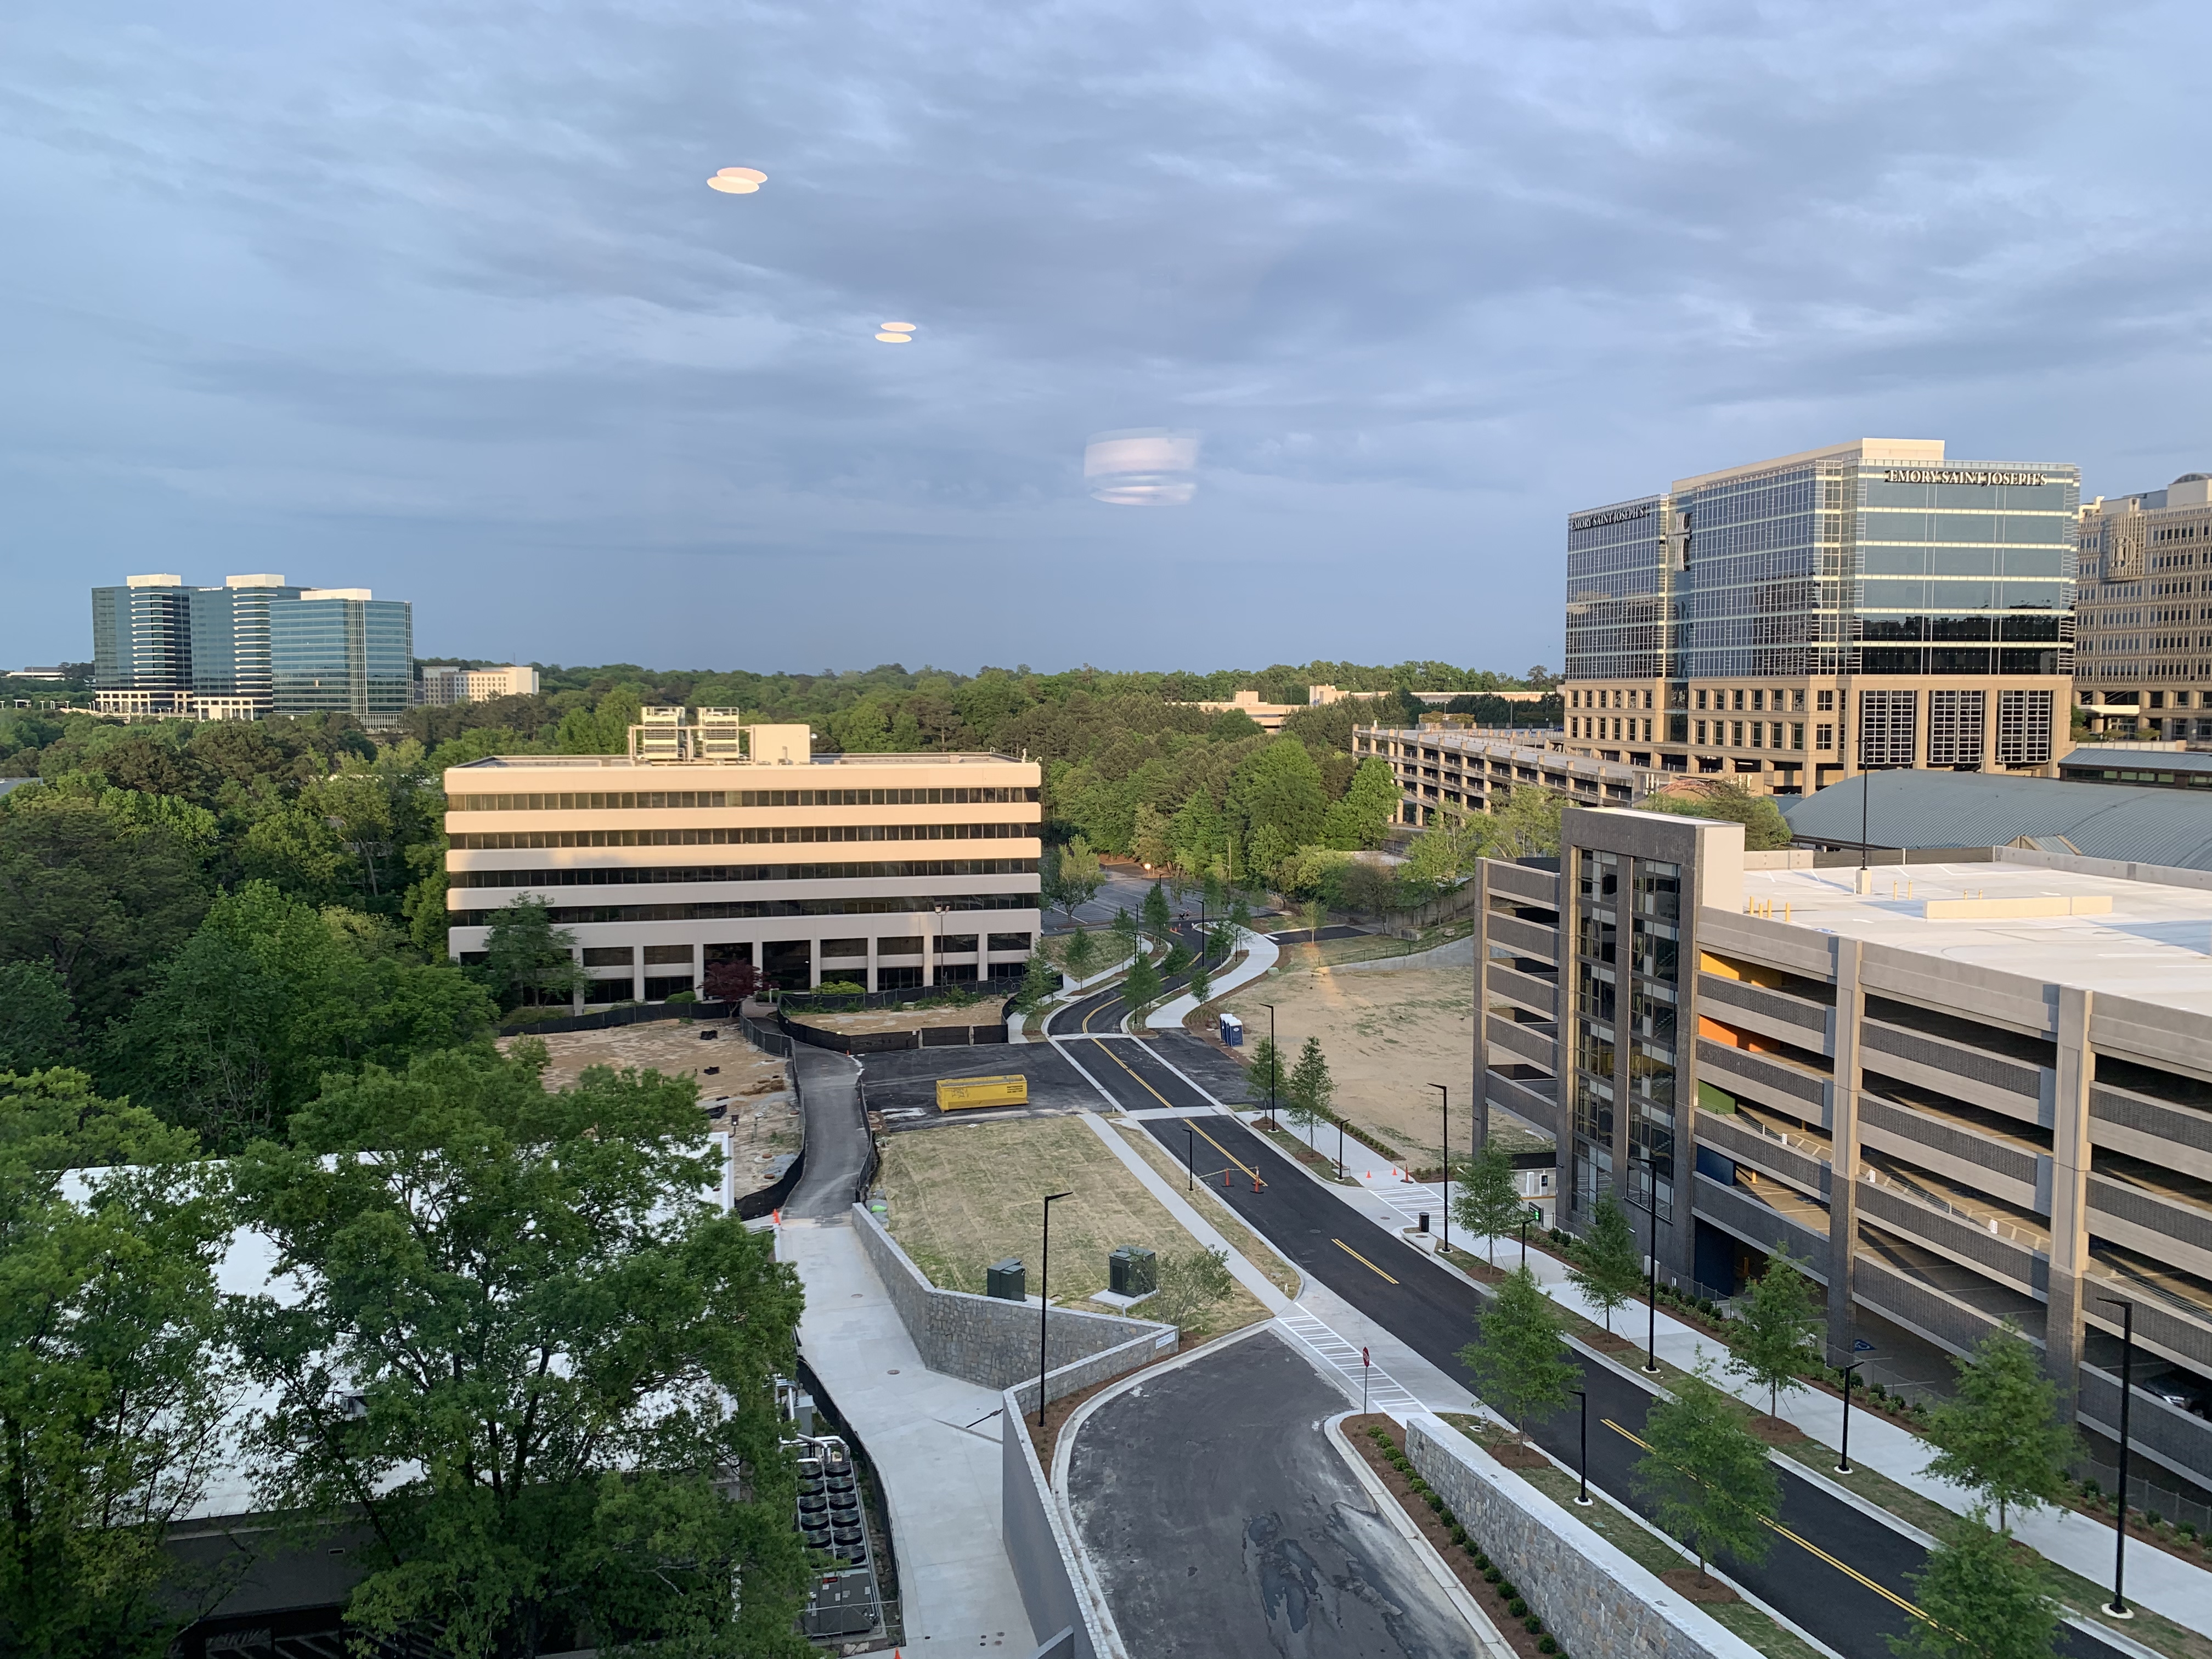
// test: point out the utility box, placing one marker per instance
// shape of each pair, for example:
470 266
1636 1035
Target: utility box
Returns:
1232 1031
1133 1270
1006 1280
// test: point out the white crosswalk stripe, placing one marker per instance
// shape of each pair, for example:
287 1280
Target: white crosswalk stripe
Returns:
1384 1392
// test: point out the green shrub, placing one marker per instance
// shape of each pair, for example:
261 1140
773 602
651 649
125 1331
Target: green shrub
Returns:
1518 1608
1491 1574
1437 1504
841 988
683 996
1532 1624
1547 1645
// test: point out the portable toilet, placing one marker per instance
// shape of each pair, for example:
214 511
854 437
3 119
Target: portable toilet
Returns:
1232 1031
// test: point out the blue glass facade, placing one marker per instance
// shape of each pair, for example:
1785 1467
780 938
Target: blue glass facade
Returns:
340 655
141 637
230 641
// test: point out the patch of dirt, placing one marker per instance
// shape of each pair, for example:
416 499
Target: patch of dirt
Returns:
1693 1586
1378 1029
1460 1557
909 1018
1608 1341
1512 1454
1774 1431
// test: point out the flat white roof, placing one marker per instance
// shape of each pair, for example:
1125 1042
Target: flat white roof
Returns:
687 768
2155 945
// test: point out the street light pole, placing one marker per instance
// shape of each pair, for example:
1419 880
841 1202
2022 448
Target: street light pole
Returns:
1189 1157
1446 1093
1651 1297
1582 1495
2118 1608
1044 1297
1844 1463
1274 1065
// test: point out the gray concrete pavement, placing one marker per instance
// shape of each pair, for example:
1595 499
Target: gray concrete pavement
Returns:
836 1133
1222 1523
935 1440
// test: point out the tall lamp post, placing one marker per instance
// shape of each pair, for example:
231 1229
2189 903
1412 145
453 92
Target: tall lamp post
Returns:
1651 1299
1274 1065
1446 1093
2118 1608
1044 1297
1843 1461
1582 1495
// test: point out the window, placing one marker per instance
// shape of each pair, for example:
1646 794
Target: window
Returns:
1759 700
1826 702
658 954
1647 724
957 945
1796 704
899 944
1701 725
844 950
1736 732
1824 737
2023 728
1701 697
1738 704
1796 734
1954 728
1009 942
1647 700
1757 730
1887 727
607 956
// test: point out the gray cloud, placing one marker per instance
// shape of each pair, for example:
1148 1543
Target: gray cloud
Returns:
435 296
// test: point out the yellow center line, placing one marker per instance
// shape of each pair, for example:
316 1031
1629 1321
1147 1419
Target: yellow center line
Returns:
1141 1084
1226 1153
1360 1259
1809 1547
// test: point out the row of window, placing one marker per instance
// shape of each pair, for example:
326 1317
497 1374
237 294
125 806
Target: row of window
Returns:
565 916
670 875
501 840
831 950
665 799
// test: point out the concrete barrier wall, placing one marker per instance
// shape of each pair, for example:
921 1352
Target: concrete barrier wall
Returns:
1595 1599
981 1340
1038 1545
1453 953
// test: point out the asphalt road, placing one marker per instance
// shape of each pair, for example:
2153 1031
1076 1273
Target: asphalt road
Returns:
1225 1526
1838 1572
837 1135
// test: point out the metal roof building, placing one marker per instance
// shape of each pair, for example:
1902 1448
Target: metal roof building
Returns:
2167 767
2118 821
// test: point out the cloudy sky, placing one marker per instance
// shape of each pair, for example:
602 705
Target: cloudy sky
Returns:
434 298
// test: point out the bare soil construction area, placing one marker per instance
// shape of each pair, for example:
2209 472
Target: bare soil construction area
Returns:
982 1012
1388 1037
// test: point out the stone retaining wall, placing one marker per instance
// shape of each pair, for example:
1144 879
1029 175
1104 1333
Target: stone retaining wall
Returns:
1594 1598
981 1340
1039 1546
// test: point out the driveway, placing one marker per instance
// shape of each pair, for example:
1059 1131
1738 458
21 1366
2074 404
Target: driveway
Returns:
1224 1525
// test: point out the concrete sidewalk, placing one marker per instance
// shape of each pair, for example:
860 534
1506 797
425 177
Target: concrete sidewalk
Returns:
1261 955
2162 1582
934 1441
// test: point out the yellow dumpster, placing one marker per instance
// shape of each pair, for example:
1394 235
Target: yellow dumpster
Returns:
958 1093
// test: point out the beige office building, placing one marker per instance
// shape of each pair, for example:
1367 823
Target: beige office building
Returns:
892 870
1792 621
2143 661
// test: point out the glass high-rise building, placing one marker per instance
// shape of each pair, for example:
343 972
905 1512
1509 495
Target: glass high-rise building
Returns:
142 635
341 651
1791 622
230 642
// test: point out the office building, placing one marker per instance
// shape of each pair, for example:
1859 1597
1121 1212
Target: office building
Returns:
1796 621
232 678
142 645
2144 656
445 683
1452 771
732 844
1963 1093
256 646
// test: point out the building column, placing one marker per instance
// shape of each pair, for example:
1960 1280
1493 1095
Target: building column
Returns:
1844 1143
2070 1195
699 971
872 942
931 928
1482 1008
813 963
637 973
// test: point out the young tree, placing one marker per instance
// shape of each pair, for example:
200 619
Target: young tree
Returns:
1520 1364
1126 934
1080 953
1201 986
1310 1091
1765 828
1142 984
1156 913
1608 1263
1040 984
1775 1333
1359 816
527 958
1528 825
1706 1475
1983 1598
1266 1079
113 1389
1149 841
732 982
1487 1203
2002 1435
529 1357
1080 877
1312 914
1192 1283
1177 958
